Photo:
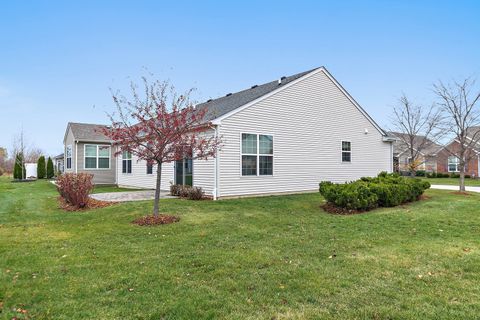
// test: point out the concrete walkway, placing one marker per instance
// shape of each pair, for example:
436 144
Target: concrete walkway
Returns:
454 188
130 196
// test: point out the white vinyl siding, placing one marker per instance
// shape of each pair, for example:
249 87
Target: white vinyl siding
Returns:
140 178
308 120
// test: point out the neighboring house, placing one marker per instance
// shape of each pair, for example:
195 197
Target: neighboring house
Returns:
448 162
88 150
427 157
58 163
283 136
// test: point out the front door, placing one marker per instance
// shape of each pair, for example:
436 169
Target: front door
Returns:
184 172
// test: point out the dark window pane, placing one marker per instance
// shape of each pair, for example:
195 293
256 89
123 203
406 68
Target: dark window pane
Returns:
346 156
149 169
249 143
266 144
90 163
69 163
103 163
346 146
266 165
249 165
126 166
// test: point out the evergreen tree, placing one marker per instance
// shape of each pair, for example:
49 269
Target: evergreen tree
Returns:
41 167
50 171
18 173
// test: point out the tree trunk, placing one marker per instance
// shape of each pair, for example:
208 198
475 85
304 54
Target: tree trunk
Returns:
462 179
157 190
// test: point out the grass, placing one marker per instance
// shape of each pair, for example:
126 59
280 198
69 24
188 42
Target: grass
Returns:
260 258
453 181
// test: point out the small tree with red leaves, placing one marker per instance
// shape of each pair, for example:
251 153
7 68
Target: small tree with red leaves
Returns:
160 126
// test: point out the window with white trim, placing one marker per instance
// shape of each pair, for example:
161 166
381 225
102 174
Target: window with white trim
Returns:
257 154
96 156
453 164
126 162
346 151
149 168
69 156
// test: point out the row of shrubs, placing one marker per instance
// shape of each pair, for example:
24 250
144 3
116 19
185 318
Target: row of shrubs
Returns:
422 173
189 192
386 190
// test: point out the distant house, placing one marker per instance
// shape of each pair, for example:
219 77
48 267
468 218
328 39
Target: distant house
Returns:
88 150
58 163
427 156
448 161
282 136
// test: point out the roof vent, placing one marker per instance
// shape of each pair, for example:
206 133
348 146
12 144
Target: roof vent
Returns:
209 100
228 94
283 78
254 86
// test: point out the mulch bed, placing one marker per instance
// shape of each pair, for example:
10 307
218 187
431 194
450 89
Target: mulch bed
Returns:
92 204
330 208
462 193
151 220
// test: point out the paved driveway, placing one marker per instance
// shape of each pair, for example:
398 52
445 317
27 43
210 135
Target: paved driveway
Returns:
454 188
129 196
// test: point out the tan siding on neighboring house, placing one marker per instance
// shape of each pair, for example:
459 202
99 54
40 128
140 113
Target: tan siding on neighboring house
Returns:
308 121
139 177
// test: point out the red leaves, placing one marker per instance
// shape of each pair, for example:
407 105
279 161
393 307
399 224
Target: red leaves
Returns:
161 134
74 188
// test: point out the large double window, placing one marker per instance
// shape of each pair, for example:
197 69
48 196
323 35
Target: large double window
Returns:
68 153
97 156
126 162
257 154
453 164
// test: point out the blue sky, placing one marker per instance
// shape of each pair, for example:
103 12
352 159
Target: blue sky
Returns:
59 59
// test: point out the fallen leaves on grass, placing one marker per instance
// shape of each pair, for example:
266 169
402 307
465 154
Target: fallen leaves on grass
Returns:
152 220
92 204
461 193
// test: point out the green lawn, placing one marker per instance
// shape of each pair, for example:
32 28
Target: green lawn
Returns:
261 258
453 181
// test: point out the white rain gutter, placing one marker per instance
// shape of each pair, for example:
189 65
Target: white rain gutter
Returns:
216 188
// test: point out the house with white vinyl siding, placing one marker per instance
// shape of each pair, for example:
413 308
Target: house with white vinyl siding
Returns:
284 136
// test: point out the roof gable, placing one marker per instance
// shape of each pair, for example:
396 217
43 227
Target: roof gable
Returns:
87 132
224 107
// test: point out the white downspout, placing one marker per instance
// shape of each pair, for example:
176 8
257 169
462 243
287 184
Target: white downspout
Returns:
76 156
215 171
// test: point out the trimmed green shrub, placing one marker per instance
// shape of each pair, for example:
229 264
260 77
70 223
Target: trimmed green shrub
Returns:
386 190
50 171
431 174
467 176
420 173
455 175
41 168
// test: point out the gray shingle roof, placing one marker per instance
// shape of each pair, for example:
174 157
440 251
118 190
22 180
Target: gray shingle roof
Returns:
399 146
88 132
223 105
